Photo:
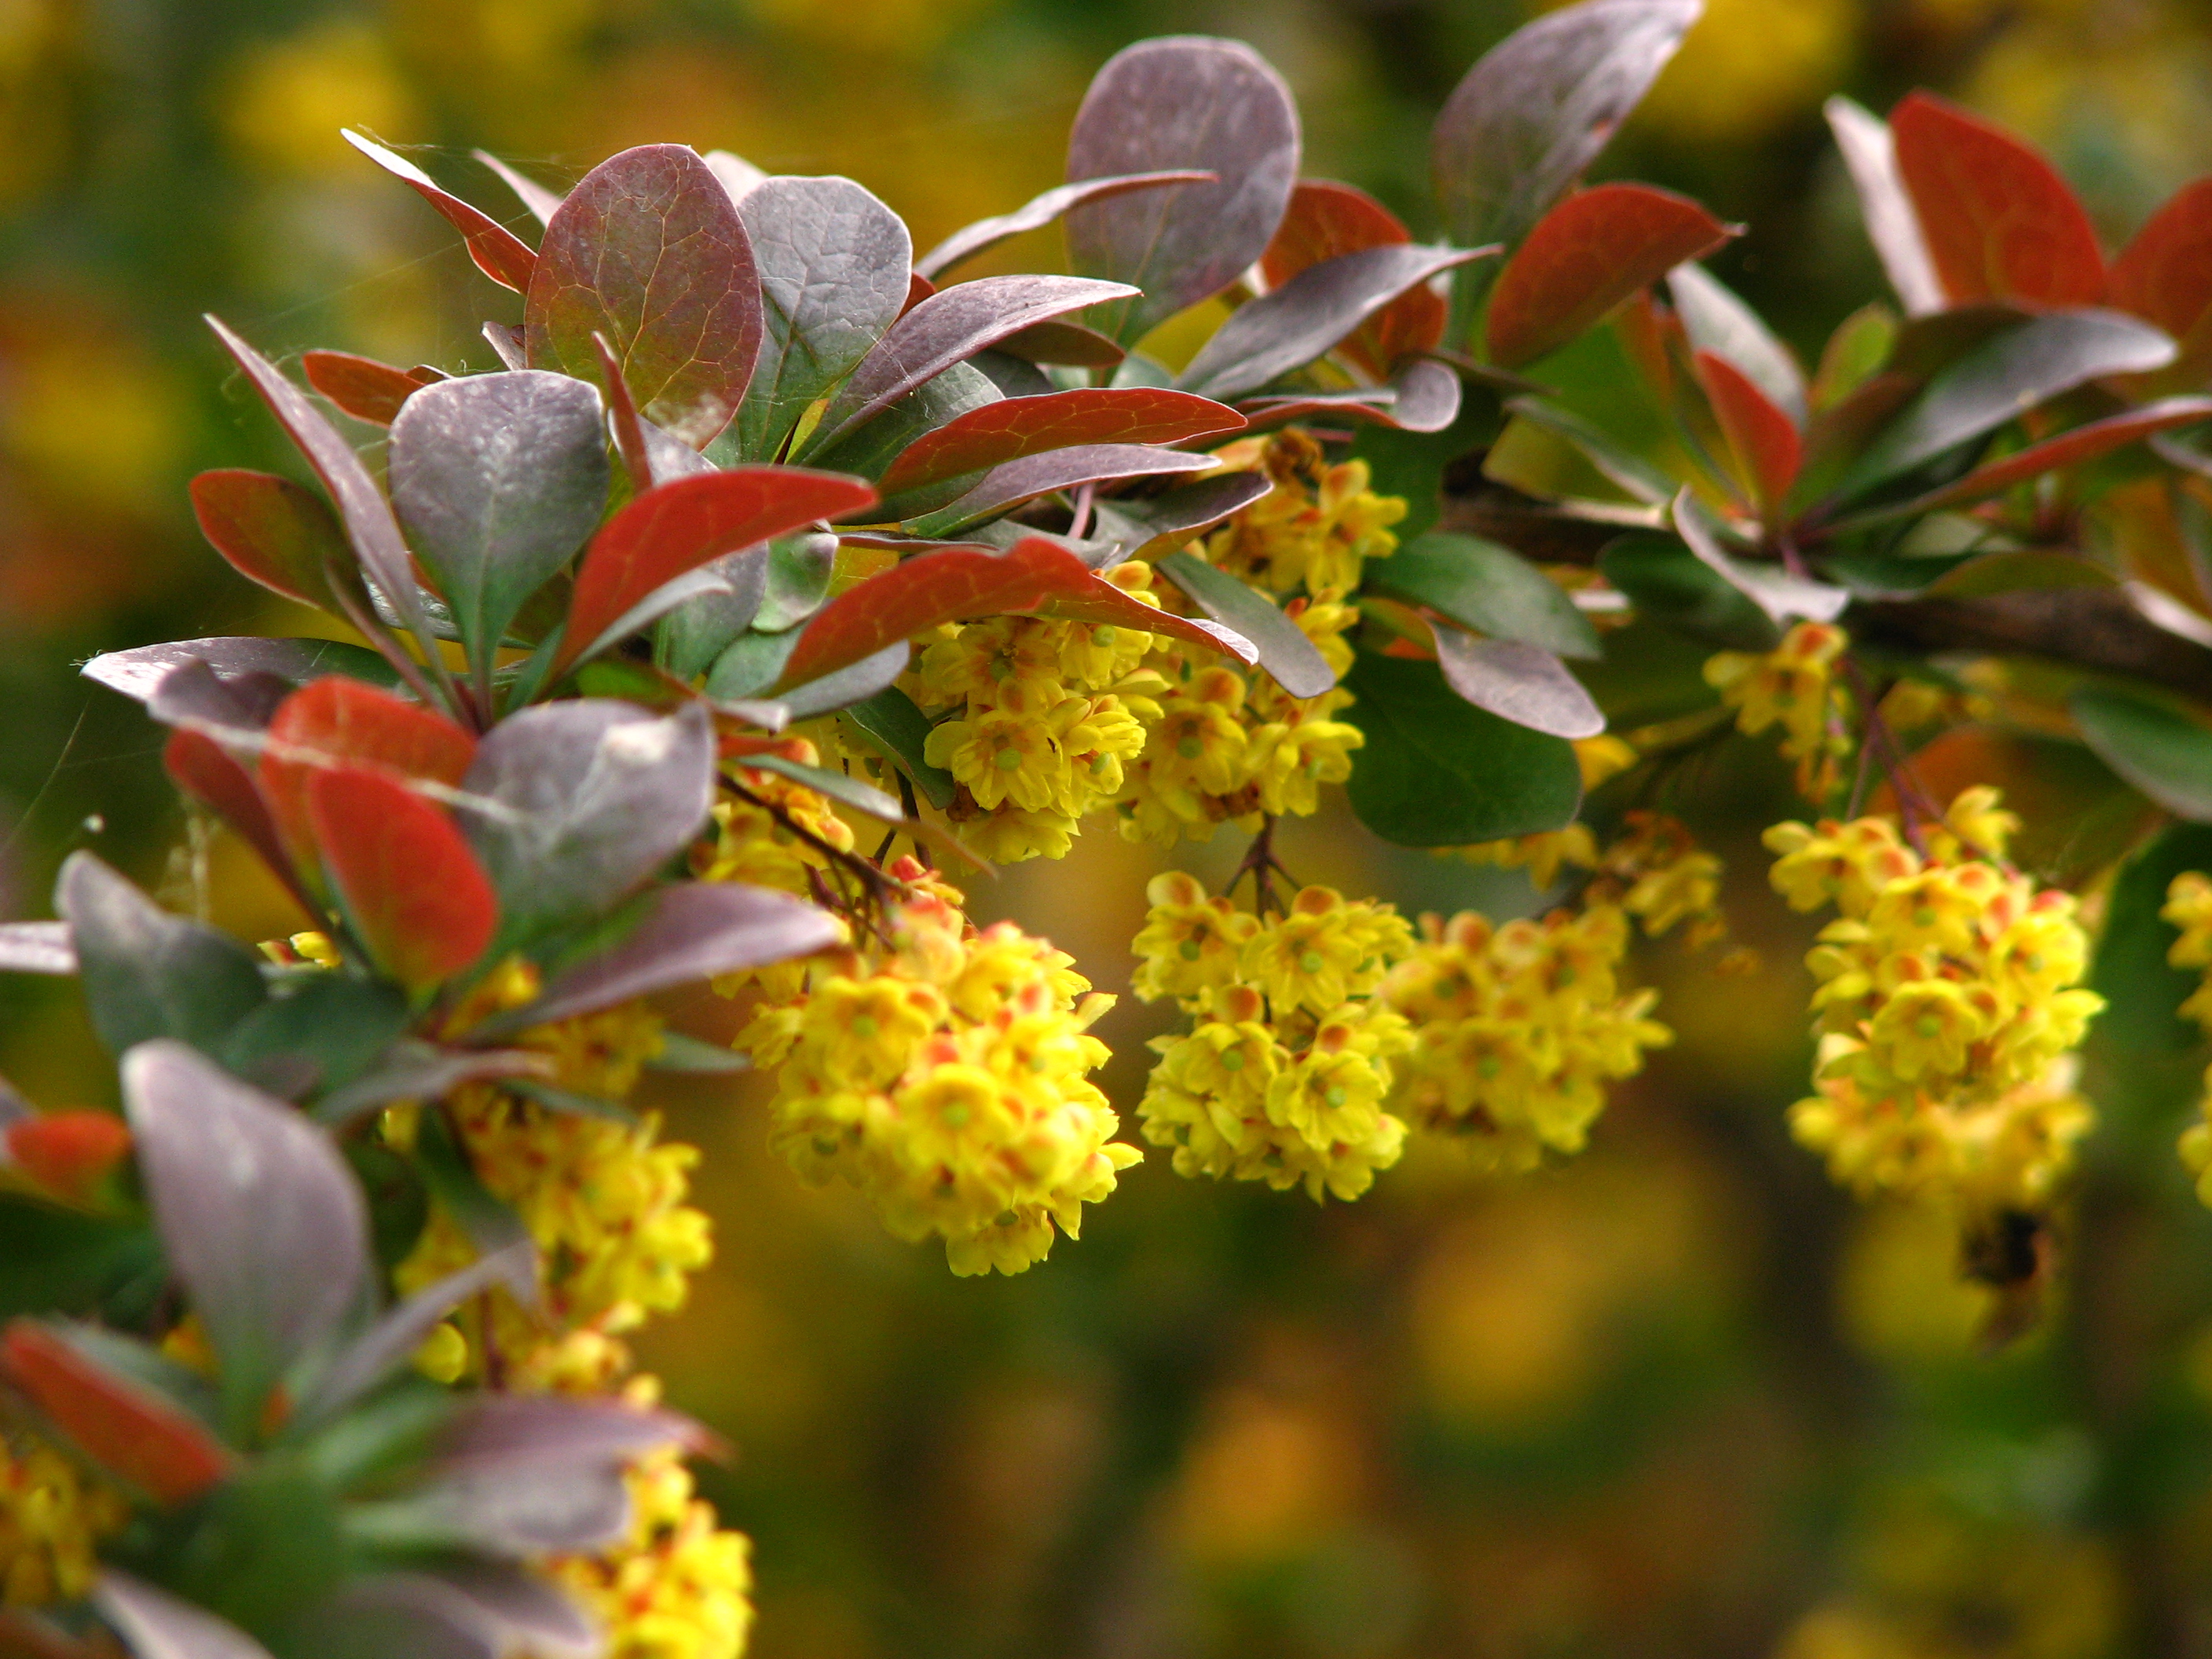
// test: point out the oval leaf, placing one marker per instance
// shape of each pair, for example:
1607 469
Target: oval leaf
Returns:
1892 225
409 885
1518 682
1284 651
581 801
258 1213
1424 397
2000 223
1436 772
1715 319
648 250
1534 113
1310 315
1760 435
1041 210
364 388
139 673
941 332
1017 427
1486 588
341 722
1182 102
675 528
833 268
147 973
1325 220
1033 579
277 534
1004 487
499 478
2002 379
1772 589
1584 257
128 1429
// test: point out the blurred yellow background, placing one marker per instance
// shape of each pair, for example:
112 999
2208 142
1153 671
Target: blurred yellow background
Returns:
1675 1398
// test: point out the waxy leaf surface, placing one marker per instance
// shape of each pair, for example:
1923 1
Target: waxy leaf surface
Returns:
1016 427
648 250
833 265
1774 590
404 874
1008 486
1039 211
139 672
1762 438
541 202
1290 326
1714 319
364 388
675 528
277 533
1284 651
941 332
148 972
1892 224
2162 752
1423 396
1034 579
1518 682
499 478
1999 222
1486 588
340 722
1185 101
1584 257
1326 220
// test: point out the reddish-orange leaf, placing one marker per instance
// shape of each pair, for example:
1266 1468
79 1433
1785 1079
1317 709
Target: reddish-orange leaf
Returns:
203 769
680 526
1999 222
918 288
1652 339
1584 257
275 533
499 253
2164 275
67 1153
2071 448
1764 438
1035 578
364 388
1326 220
337 722
410 886
1015 427
131 1432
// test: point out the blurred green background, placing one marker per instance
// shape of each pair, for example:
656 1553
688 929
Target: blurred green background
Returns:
1676 1397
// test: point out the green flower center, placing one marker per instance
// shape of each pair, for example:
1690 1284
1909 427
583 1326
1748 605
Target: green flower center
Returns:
1311 963
1010 760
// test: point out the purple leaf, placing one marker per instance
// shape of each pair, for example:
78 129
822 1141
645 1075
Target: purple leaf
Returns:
1163 523
540 201
258 1213
585 800
139 672
739 177
1008 486
499 478
36 947
147 973
833 270
1267 338
695 931
1892 224
1064 343
479 1611
1041 210
362 508
155 1624
944 329
423 1073
506 343
386 1345
1537 108
648 250
1284 651
1518 682
234 711
494 1432
1186 101
1424 397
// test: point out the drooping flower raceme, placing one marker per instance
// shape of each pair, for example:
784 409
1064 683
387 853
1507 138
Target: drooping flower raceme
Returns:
1793 686
1948 1007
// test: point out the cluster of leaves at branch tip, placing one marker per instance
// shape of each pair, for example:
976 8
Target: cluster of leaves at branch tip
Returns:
767 529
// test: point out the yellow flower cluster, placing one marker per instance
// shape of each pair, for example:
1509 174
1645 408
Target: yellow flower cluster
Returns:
1226 744
944 1076
50 1518
1948 1007
1035 719
602 1198
2189 907
1517 1029
1792 686
1665 878
678 1587
1284 1075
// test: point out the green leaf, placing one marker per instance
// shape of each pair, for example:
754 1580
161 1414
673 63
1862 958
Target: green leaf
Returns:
57 1260
897 730
1670 585
851 791
147 973
1284 651
752 663
337 1024
2161 752
798 571
1481 586
452 1181
2143 991
695 1055
1437 772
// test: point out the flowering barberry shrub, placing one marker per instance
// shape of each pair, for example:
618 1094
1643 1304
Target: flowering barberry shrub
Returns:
771 542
